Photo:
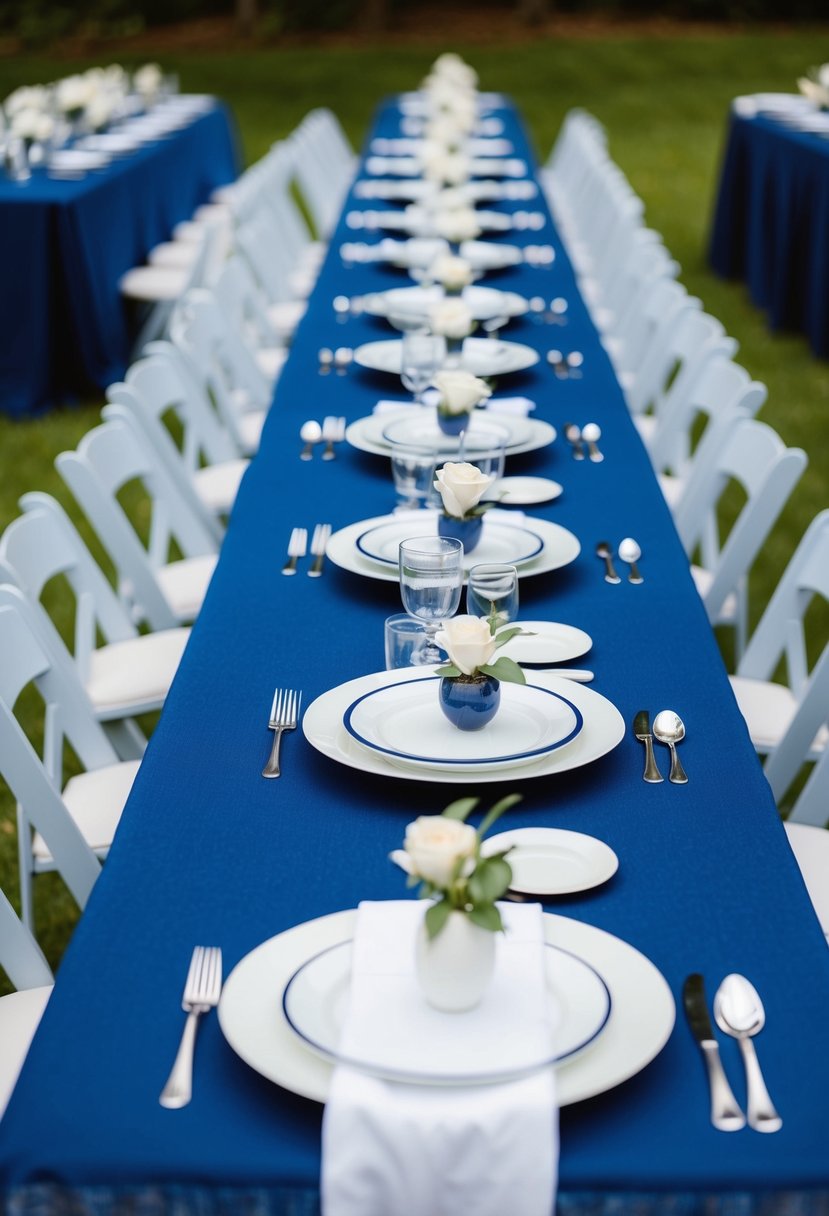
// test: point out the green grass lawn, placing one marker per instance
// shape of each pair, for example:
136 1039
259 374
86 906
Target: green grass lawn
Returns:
664 102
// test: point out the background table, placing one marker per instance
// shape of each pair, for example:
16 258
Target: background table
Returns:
65 244
209 852
771 223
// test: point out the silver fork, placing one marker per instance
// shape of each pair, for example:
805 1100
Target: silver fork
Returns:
297 547
319 541
201 993
284 714
333 431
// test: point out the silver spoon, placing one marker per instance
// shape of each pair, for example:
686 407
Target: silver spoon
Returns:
604 551
326 358
310 433
591 433
739 1011
343 357
558 363
669 729
630 552
573 434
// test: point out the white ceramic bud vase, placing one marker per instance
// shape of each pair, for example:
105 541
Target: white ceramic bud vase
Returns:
455 968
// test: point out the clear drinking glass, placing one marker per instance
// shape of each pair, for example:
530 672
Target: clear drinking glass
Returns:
492 592
421 356
431 578
403 637
485 446
413 469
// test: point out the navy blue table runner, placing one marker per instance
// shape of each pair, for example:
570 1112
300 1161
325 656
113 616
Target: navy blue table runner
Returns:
209 852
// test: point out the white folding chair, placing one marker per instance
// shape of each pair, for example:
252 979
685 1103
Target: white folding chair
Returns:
810 843
223 367
248 313
65 827
129 673
753 456
20 1012
324 166
156 589
788 722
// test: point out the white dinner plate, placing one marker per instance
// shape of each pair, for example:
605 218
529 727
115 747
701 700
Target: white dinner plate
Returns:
420 221
482 302
500 542
75 160
481 356
412 145
253 1020
405 723
410 166
113 142
486 255
560 546
420 426
603 729
546 642
524 491
315 1003
553 861
366 434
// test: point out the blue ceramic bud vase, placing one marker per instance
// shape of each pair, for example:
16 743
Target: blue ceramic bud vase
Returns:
467 531
453 424
470 702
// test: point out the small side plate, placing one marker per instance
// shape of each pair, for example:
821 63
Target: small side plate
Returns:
553 861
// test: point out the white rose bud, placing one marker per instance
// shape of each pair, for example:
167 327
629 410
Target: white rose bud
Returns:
451 319
450 167
459 224
435 844
461 486
453 272
460 391
468 642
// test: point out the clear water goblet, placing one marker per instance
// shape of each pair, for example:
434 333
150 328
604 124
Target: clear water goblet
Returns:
413 469
421 356
492 592
431 578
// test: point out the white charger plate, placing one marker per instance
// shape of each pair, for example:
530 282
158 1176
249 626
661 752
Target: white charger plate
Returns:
367 434
420 221
315 1003
410 166
524 491
481 356
253 1020
553 861
560 546
602 730
412 145
482 302
420 426
500 542
546 642
405 723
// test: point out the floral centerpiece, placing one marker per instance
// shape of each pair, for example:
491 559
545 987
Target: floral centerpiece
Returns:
815 85
455 950
452 320
461 487
452 272
459 393
470 685
457 224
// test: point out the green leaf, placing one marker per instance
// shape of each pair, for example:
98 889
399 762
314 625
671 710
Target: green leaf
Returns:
436 917
487 916
497 811
490 880
506 634
460 808
504 669
449 669
480 509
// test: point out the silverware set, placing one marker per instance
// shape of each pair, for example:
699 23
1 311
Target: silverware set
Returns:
539 255
348 306
283 716
668 729
298 549
738 1012
629 553
566 367
311 433
340 360
554 313
202 990
580 437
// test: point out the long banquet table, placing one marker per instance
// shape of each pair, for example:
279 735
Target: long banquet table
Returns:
771 222
209 852
64 245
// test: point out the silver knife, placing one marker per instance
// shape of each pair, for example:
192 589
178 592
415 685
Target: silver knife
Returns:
642 731
725 1112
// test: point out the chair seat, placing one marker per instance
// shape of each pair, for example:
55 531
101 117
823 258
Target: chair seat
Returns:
810 846
768 710
134 676
250 425
218 484
645 425
154 283
178 254
189 231
270 360
184 584
20 1013
95 801
730 607
285 316
671 488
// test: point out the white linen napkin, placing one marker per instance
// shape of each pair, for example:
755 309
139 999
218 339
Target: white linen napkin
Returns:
391 1149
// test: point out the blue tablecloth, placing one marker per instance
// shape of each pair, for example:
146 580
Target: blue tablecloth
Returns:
64 245
210 852
771 223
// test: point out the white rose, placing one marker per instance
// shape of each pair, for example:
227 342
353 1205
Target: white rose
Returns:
32 125
458 225
823 75
147 80
433 846
99 111
461 486
460 391
73 93
27 97
451 319
468 642
453 272
450 167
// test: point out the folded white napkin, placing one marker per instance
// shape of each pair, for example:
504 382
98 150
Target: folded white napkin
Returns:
520 406
391 1149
